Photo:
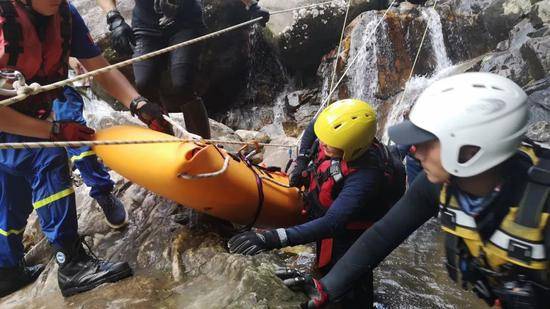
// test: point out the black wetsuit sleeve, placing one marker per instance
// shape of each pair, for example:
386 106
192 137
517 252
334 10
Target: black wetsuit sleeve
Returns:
308 138
417 206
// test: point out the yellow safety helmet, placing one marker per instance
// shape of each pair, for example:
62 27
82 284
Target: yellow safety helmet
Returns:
349 125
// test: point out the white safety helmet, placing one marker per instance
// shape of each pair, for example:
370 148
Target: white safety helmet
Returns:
483 110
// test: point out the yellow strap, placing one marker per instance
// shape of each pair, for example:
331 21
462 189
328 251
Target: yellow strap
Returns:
10 232
52 198
530 152
82 155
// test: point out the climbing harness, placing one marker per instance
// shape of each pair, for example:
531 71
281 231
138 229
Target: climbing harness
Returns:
11 78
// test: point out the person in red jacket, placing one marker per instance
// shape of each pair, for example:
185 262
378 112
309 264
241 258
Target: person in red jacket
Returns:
36 39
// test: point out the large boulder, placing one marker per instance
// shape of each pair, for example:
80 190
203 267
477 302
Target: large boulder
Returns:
378 55
540 13
464 30
315 31
536 53
176 263
500 16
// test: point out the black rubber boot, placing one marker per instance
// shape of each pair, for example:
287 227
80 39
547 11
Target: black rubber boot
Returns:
14 278
80 271
196 117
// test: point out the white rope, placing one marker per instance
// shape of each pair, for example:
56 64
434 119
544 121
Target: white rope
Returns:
340 45
76 144
30 90
185 134
304 7
350 65
207 175
26 91
416 59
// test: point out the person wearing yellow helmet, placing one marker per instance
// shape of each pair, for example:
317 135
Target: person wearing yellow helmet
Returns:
490 190
350 178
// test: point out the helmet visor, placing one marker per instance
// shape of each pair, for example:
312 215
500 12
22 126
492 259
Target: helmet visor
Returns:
406 133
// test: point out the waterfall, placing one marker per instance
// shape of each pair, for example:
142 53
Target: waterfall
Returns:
436 35
363 75
417 84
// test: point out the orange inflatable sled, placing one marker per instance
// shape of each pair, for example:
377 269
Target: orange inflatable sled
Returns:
202 177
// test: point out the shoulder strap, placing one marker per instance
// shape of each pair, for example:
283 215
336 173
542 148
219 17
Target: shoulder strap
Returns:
12 31
537 192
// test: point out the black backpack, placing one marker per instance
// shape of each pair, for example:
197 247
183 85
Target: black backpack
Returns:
394 173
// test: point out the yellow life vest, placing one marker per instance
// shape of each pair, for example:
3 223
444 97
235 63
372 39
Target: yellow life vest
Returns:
515 247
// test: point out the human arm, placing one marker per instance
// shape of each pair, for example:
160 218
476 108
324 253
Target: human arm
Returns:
14 122
116 84
359 189
359 196
120 88
417 206
89 55
298 175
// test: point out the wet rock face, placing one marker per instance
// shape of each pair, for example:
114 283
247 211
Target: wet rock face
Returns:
501 15
315 32
523 56
464 33
540 13
381 54
177 262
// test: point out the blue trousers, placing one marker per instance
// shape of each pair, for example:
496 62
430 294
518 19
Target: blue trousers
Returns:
36 179
94 174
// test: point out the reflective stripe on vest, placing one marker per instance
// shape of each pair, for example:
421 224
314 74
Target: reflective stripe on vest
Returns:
507 242
502 247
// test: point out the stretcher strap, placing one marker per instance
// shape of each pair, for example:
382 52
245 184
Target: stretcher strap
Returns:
261 199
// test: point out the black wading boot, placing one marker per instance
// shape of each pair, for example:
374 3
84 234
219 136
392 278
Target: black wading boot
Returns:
80 271
14 278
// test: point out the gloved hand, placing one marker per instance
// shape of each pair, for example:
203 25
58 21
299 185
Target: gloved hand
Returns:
256 11
298 176
252 243
122 36
70 131
151 114
299 281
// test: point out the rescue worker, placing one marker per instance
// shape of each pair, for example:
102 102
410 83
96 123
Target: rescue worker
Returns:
348 191
94 174
491 194
157 24
36 39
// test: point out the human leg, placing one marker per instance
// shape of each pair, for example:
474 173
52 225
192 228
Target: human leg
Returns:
183 67
94 174
46 172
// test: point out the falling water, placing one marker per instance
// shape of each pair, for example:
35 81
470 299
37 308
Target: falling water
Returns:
443 68
364 72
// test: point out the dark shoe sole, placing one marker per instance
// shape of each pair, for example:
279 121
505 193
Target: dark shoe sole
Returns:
113 278
119 225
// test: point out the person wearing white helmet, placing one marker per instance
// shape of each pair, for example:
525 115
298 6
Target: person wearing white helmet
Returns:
490 191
